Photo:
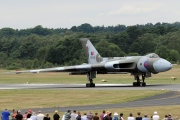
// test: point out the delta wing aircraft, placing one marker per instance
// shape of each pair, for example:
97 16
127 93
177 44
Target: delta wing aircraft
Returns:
136 65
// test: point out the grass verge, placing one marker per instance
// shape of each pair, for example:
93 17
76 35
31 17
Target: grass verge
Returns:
23 99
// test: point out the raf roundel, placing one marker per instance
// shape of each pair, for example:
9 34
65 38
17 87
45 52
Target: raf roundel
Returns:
146 64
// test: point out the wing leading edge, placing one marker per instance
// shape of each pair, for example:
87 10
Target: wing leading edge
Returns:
75 68
110 66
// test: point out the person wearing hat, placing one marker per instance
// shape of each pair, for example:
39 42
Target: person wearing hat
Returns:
155 116
29 114
19 116
56 115
116 117
40 116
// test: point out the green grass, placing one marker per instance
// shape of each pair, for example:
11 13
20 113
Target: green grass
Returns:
65 78
21 99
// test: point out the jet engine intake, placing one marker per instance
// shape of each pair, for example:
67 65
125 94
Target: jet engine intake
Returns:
123 65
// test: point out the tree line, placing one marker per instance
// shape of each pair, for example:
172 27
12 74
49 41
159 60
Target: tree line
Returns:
40 47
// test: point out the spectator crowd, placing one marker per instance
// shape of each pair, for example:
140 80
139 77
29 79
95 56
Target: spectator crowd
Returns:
105 115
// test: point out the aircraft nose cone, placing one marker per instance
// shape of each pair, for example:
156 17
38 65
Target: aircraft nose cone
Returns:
162 65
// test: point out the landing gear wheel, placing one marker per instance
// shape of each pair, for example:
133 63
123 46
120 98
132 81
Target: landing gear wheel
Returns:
144 84
90 85
139 84
134 83
87 84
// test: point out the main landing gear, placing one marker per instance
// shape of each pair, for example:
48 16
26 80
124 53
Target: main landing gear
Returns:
91 84
139 83
90 76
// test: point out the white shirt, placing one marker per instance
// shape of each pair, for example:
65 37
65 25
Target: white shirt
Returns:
63 117
29 119
33 117
130 118
40 116
84 117
155 117
121 118
73 116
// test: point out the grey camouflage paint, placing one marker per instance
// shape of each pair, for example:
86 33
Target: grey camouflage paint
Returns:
150 63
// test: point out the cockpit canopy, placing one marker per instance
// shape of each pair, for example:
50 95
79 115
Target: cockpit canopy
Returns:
152 55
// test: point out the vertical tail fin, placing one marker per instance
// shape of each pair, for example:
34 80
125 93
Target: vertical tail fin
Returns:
92 54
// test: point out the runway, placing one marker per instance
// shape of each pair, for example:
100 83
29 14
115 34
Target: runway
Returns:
171 87
170 98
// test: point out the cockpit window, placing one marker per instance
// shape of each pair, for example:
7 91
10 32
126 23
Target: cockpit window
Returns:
152 55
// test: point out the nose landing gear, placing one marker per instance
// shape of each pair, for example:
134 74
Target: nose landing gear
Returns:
139 83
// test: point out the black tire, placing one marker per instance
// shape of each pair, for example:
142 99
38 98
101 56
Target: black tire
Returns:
134 84
92 85
138 83
87 84
144 84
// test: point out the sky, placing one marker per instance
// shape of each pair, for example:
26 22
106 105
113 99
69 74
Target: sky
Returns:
23 14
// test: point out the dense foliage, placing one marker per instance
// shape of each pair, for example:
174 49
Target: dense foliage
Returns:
40 47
